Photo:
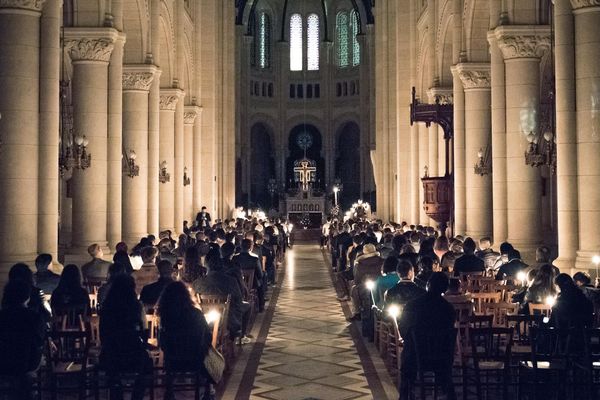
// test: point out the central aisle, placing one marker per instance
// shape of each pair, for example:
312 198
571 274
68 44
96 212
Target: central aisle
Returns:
309 352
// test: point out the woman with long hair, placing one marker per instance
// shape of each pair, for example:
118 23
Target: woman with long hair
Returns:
123 336
37 302
184 336
70 293
114 270
192 267
541 287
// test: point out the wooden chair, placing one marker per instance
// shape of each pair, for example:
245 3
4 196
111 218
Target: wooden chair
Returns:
542 309
70 318
463 314
152 325
480 283
221 339
251 295
506 290
499 311
93 284
482 298
481 321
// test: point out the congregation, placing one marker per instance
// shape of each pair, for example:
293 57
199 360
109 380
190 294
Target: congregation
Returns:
161 303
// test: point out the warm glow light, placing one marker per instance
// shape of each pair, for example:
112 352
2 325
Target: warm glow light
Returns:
394 311
336 189
370 285
212 316
596 259
522 276
550 301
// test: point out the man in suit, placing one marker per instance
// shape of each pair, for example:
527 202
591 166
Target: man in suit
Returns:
97 268
246 260
44 278
151 292
468 262
203 218
406 289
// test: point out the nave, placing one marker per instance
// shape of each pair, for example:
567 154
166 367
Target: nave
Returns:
305 348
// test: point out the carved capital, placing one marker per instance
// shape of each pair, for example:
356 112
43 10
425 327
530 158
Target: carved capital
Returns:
523 42
189 117
31 5
475 76
579 4
86 49
168 102
440 95
137 80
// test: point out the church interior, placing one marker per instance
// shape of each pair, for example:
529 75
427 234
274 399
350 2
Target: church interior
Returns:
344 148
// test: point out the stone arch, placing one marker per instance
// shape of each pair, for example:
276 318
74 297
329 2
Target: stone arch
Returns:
348 162
444 46
166 58
262 165
314 152
135 25
476 25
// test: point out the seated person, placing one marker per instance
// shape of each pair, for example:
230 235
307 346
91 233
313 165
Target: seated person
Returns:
454 294
97 268
151 292
44 278
245 260
572 309
113 271
426 267
584 282
429 312
486 253
405 290
388 279
450 257
22 333
70 294
542 257
148 273
368 267
37 302
511 263
468 263
540 288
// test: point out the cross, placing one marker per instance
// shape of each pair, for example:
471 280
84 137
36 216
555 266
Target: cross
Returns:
305 172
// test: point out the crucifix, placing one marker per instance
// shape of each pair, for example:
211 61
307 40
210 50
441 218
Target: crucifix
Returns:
305 173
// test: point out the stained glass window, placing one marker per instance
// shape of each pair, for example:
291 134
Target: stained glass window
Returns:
264 42
296 54
342 39
355 45
313 42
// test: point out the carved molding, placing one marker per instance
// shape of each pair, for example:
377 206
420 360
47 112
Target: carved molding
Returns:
33 5
440 95
189 117
475 76
523 42
578 4
168 102
90 49
137 80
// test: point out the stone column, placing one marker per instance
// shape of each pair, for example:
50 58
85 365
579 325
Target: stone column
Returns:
566 140
460 206
499 195
587 87
197 170
522 48
168 104
153 153
434 157
423 162
189 119
179 163
115 142
48 193
476 82
19 131
137 80
90 50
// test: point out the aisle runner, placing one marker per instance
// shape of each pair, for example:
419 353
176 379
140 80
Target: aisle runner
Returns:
309 353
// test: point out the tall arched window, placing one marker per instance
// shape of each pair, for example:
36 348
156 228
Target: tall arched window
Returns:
342 39
354 21
313 42
264 41
296 54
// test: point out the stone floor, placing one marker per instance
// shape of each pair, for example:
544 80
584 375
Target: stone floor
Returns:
308 350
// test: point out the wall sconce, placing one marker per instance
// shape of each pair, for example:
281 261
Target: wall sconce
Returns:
75 156
483 166
186 179
164 176
540 154
131 169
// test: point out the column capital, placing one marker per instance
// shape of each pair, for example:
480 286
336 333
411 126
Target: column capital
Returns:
90 44
169 99
581 4
138 77
190 113
442 95
29 5
523 41
474 75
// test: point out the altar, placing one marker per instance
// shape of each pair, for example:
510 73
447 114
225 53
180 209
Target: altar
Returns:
305 205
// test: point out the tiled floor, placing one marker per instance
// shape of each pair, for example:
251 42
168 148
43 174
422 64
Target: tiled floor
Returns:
309 352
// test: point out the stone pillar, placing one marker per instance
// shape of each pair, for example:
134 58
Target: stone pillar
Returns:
168 104
434 157
415 176
115 142
179 163
460 205
137 80
566 140
587 87
423 163
499 194
90 50
197 170
522 48
19 131
476 82
189 119
153 153
48 192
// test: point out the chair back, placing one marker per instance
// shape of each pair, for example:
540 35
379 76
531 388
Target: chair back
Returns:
70 317
434 349
499 311
248 278
93 284
68 349
591 348
481 321
491 344
482 298
480 283
537 309
220 304
549 345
